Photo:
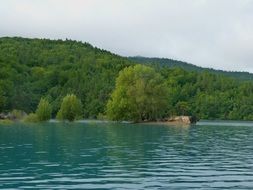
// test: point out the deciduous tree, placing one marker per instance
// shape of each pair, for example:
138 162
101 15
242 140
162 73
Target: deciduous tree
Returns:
140 94
71 108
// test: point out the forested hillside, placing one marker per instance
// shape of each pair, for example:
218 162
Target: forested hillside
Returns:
32 68
35 68
190 67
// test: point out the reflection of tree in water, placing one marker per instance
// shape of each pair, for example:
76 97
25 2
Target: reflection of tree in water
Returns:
133 145
94 149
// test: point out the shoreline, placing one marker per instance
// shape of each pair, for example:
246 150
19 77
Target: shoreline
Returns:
174 123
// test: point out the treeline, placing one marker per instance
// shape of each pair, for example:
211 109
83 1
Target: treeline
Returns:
31 69
34 68
190 67
209 96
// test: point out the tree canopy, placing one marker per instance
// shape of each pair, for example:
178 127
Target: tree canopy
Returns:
44 110
35 68
140 94
71 108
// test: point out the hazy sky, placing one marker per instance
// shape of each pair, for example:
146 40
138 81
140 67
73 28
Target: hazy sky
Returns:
208 33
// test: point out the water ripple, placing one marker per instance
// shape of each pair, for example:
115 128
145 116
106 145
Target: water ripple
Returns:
114 156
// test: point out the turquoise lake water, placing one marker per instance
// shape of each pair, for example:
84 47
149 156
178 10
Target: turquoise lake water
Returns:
209 155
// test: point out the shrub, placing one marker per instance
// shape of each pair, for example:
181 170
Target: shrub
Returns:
17 114
44 110
71 108
31 118
6 121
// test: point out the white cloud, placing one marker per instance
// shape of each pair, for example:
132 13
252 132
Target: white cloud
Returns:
209 33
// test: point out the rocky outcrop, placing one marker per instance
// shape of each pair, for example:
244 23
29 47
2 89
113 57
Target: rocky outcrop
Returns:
183 119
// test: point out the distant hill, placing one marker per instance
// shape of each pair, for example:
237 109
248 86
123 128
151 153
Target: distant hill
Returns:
190 67
35 68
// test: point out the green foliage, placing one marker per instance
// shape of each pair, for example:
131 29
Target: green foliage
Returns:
3 97
209 96
182 108
31 118
140 94
170 63
101 116
44 110
17 114
1 102
71 108
6 122
35 68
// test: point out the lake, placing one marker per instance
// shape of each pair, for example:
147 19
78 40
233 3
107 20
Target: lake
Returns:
91 155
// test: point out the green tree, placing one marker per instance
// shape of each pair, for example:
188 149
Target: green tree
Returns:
35 68
2 95
140 94
44 110
71 108
1 103
182 108
31 118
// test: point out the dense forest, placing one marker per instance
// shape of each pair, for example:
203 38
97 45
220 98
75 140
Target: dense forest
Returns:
31 69
190 67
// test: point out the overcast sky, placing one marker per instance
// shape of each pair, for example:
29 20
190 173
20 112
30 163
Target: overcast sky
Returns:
207 33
